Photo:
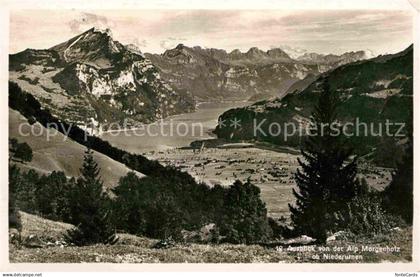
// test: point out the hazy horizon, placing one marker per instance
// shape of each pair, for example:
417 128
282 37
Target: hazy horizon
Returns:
154 31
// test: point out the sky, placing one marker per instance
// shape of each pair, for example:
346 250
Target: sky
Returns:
154 31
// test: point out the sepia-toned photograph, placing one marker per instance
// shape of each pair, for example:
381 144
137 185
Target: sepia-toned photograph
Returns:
210 136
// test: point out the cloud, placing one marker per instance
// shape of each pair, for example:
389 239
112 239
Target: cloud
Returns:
292 51
171 42
88 20
139 43
324 31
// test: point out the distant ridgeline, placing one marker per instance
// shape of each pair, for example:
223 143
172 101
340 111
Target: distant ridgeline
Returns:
213 74
372 90
29 107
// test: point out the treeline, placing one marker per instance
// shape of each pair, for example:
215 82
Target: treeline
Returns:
162 204
148 206
30 108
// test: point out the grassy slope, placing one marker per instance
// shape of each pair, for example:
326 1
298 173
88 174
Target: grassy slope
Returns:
133 249
44 229
60 153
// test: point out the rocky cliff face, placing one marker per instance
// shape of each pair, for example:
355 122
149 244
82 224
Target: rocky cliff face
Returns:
94 78
210 74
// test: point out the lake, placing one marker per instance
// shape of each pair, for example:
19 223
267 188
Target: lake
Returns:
174 131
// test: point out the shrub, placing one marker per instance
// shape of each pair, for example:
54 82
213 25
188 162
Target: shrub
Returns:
45 195
281 228
244 218
162 208
365 215
157 207
21 151
164 218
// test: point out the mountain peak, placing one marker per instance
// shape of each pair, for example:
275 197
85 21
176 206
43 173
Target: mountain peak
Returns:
255 53
235 52
106 31
133 48
92 67
95 46
180 46
254 50
277 53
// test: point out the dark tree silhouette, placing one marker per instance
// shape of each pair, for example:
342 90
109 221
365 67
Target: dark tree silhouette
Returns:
21 151
244 215
51 196
399 193
89 210
326 180
14 179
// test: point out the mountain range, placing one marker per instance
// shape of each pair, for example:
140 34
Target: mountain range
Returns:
373 90
94 79
209 73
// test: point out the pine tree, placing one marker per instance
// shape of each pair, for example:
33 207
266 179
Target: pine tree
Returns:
51 196
327 179
89 209
399 193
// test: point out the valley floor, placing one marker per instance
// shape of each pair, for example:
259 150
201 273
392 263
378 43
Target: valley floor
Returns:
271 169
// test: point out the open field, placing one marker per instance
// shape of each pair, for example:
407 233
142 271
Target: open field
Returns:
271 171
